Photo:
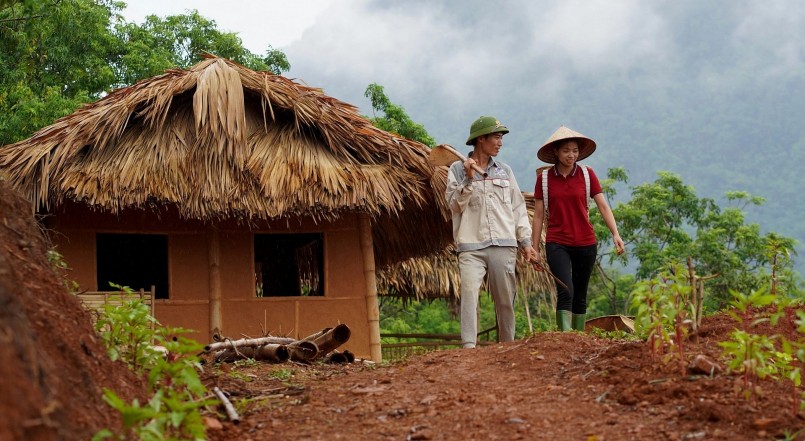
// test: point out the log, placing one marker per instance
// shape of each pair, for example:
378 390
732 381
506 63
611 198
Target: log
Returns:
306 350
350 356
228 344
329 339
336 357
268 352
303 351
272 352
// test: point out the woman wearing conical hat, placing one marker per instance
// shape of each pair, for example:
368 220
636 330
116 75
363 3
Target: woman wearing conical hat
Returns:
562 195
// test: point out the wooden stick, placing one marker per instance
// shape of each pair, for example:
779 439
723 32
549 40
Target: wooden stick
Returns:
268 352
539 267
231 413
443 151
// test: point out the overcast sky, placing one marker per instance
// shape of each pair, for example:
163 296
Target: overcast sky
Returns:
446 62
394 43
464 52
259 23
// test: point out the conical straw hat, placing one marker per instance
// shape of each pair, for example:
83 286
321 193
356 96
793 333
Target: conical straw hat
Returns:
547 154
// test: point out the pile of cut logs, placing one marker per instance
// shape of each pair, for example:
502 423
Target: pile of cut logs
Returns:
319 346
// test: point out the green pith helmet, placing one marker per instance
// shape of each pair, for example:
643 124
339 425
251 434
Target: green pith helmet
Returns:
485 125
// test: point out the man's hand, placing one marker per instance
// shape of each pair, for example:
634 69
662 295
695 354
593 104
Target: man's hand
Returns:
529 253
468 167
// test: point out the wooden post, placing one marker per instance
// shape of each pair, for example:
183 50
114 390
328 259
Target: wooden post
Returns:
372 308
214 252
153 301
527 314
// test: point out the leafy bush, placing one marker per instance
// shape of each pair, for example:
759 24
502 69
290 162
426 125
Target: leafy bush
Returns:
171 367
665 309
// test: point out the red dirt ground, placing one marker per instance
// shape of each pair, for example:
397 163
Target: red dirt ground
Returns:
556 386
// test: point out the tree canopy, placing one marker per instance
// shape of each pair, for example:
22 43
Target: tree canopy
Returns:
666 223
56 55
395 119
179 41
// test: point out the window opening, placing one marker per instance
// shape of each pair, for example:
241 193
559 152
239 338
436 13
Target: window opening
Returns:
289 264
134 260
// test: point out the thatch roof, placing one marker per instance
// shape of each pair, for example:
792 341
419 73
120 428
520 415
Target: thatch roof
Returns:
220 141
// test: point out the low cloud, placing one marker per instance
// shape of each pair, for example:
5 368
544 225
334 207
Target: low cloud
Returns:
771 35
452 50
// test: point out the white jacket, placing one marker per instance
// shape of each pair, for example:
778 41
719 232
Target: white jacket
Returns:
487 211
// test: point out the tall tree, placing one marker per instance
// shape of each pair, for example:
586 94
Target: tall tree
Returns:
54 55
395 119
180 41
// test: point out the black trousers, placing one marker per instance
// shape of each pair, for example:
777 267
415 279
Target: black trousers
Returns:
573 266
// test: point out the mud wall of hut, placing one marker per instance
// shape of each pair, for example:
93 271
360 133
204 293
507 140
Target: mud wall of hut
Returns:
74 229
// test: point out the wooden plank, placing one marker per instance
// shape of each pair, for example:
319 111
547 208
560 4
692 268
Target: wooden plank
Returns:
96 300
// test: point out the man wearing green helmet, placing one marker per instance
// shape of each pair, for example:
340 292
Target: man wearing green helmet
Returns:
490 223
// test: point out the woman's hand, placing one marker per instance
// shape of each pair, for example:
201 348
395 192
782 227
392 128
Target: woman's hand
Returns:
619 246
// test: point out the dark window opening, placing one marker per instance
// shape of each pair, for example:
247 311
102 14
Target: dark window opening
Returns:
289 264
137 261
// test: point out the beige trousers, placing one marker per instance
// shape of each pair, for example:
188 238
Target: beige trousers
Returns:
497 264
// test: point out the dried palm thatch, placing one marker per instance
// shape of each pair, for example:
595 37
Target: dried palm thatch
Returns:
437 276
220 141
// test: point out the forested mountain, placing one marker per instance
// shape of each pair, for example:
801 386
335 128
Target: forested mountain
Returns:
712 91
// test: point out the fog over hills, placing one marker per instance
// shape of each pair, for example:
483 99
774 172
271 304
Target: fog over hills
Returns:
713 91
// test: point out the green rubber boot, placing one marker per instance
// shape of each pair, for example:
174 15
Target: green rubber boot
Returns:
578 321
563 320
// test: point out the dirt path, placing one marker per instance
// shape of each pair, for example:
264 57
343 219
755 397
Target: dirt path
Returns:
553 386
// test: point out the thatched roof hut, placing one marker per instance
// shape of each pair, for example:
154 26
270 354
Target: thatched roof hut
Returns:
226 180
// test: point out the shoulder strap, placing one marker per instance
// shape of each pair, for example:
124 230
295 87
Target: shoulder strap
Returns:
586 184
545 189
586 174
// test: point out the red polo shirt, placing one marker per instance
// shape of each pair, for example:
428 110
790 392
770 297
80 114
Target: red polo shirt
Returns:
568 219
